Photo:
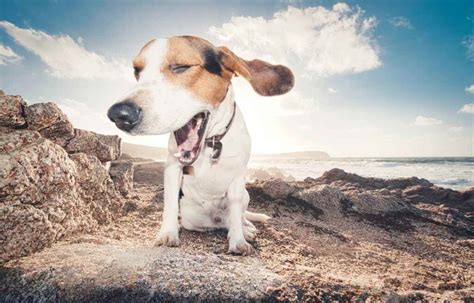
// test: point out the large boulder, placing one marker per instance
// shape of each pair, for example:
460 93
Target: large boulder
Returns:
45 192
46 195
13 110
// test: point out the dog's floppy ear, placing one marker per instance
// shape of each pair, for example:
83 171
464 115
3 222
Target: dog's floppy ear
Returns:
266 79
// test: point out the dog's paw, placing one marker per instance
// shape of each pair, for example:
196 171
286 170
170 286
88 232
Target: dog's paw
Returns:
240 247
249 233
167 238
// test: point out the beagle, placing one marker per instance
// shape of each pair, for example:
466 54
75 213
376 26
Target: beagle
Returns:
184 87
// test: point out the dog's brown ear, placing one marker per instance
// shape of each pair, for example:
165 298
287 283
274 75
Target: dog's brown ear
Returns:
266 79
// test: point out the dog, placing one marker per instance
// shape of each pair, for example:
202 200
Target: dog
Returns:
184 88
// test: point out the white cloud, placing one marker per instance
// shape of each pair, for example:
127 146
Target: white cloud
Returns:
67 58
427 121
456 129
467 108
341 7
332 90
315 42
319 41
401 22
8 56
470 89
469 44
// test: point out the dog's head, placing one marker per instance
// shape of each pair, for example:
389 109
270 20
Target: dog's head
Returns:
181 80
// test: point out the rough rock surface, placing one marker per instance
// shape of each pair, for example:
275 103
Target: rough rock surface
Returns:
105 148
328 240
12 113
50 121
121 172
46 193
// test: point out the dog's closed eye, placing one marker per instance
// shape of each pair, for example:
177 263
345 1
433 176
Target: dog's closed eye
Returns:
179 68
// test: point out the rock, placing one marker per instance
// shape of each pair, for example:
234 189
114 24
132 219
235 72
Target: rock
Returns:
419 193
33 168
13 110
126 273
13 139
122 173
50 121
340 177
277 188
402 183
46 195
97 188
105 148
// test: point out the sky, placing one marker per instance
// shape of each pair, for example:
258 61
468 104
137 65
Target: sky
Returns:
373 78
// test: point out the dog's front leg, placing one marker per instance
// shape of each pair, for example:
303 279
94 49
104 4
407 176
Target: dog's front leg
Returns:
168 234
235 196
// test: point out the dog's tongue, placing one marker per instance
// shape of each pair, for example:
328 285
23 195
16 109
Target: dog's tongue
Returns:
188 138
190 141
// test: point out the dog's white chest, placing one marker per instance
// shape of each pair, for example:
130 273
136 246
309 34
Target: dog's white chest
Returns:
209 181
204 201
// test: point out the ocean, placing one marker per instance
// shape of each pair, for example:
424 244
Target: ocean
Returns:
455 173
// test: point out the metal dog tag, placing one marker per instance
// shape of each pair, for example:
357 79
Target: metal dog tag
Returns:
216 151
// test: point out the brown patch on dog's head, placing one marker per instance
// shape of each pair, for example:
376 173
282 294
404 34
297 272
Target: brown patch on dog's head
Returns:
204 76
207 71
139 61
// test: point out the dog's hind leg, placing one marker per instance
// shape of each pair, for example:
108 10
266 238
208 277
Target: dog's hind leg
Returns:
237 203
250 231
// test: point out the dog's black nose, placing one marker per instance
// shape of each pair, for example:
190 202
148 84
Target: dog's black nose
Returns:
125 115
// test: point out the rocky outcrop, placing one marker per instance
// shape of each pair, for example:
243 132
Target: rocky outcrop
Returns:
339 177
442 205
48 192
326 241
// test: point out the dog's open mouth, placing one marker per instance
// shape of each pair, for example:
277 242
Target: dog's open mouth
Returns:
189 138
